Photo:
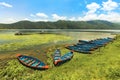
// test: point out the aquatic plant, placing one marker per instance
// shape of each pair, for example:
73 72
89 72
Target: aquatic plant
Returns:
13 42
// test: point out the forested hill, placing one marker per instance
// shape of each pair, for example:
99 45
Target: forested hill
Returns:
61 24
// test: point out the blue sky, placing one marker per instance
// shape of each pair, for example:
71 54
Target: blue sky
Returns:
53 10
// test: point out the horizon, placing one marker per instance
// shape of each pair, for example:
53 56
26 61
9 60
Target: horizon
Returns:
72 10
54 21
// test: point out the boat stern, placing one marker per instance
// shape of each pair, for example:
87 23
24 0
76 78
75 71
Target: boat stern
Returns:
45 67
17 55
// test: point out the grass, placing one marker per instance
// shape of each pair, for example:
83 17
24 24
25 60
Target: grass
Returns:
12 42
103 65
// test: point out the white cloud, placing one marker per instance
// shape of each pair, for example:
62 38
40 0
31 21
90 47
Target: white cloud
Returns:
90 14
92 7
26 19
8 20
42 15
111 16
96 12
12 19
88 17
5 4
57 17
72 19
45 20
109 5
39 17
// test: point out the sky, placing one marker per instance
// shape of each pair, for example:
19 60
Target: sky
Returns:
52 10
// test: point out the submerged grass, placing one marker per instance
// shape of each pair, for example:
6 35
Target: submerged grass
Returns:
12 42
101 65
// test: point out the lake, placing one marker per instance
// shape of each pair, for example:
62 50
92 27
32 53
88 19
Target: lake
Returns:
60 30
75 33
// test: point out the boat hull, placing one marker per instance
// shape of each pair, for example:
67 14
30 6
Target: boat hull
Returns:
32 62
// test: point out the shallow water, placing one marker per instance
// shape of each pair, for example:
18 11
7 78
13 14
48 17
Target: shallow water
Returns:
88 35
76 34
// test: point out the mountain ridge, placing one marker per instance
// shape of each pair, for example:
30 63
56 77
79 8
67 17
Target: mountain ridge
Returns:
62 24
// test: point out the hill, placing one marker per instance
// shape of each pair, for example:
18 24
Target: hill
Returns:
61 24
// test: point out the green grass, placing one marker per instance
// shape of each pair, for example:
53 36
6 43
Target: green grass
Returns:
103 65
12 42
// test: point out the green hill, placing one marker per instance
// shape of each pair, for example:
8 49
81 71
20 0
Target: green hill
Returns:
61 24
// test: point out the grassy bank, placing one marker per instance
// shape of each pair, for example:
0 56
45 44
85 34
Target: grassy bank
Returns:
103 65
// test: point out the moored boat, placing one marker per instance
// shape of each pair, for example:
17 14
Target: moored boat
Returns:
31 62
56 56
88 46
61 59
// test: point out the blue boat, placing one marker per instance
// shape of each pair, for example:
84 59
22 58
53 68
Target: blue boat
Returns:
31 62
67 56
88 46
98 42
58 59
56 56
80 50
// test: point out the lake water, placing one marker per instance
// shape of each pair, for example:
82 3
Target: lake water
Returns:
59 30
75 33
85 34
